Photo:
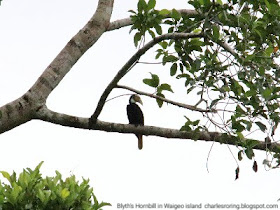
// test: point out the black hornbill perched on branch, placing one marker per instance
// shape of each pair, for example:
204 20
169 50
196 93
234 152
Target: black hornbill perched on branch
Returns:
135 115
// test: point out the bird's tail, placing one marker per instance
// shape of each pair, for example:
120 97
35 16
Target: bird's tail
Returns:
140 141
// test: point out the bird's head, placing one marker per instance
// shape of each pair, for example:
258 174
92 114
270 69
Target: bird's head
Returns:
135 98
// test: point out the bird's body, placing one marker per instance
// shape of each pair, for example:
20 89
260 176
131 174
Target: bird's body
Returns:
135 116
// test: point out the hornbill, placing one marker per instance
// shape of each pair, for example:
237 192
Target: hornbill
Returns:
135 115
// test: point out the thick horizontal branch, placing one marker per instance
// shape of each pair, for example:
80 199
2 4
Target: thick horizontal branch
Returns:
127 21
132 61
79 122
186 106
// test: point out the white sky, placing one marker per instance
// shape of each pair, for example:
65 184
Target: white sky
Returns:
166 171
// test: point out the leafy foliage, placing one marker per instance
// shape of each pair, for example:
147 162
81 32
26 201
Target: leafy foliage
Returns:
155 82
233 68
30 191
145 20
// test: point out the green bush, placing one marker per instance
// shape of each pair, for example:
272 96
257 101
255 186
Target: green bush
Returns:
31 191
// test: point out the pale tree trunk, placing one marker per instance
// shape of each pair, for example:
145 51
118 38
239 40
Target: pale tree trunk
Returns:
28 106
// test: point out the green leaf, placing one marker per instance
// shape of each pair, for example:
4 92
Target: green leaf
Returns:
151 33
216 33
169 58
15 191
160 102
269 51
240 135
267 5
267 93
39 166
214 102
137 38
164 12
163 44
239 110
261 126
240 155
153 82
64 193
132 11
173 69
102 204
141 6
158 29
151 4
249 153
195 123
261 71
175 14
6 175
41 195
197 30
165 86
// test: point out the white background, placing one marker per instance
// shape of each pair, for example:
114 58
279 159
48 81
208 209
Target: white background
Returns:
32 32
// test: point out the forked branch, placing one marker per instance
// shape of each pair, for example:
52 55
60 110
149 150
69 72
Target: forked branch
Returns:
131 62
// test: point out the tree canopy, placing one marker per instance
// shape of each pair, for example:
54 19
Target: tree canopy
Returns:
227 53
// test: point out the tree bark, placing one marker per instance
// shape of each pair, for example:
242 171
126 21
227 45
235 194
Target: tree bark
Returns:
80 122
26 107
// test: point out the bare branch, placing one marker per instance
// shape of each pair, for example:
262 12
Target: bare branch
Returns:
131 62
186 106
228 48
79 122
117 24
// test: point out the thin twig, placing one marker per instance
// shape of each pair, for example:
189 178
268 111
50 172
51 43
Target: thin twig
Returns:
186 106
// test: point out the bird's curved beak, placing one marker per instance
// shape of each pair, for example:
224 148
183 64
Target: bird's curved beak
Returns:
140 101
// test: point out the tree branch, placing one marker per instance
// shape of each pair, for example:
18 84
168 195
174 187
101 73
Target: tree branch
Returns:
228 49
73 50
117 24
79 122
23 109
186 106
132 61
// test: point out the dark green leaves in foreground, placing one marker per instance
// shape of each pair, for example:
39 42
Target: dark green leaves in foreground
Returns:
146 19
31 191
154 82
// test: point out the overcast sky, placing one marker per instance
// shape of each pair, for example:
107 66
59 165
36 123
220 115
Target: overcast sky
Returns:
32 33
